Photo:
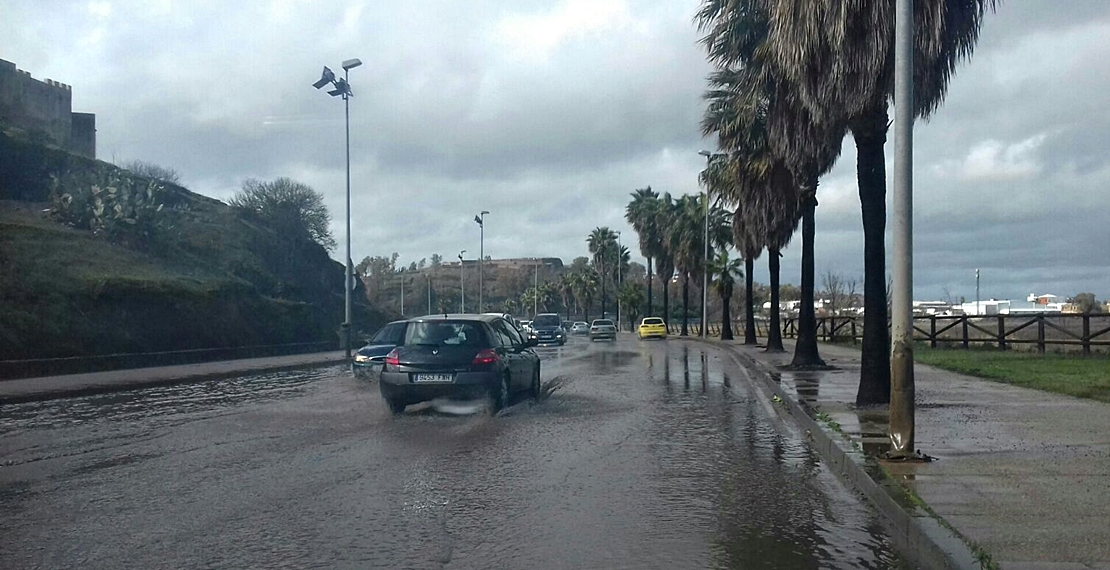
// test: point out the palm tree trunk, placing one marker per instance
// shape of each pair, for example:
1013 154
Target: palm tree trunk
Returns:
749 301
685 304
805 349
587 309
667 303
726 314
869 132
603 292
648 313
774 329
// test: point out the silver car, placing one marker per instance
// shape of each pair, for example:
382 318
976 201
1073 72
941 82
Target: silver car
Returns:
580 327
603 328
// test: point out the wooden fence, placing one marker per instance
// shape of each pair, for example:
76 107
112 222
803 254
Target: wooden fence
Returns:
1083 332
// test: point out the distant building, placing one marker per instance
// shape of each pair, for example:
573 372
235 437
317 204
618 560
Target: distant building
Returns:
515 263
45 107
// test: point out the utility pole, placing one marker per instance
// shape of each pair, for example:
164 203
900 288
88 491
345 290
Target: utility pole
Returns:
462 283
402 292
902 388
428 276
536 288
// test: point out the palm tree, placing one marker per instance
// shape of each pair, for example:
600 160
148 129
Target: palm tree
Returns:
687 242
839 59
565 287
664 258
642 214
725 271
602 243
750 246
750 100
585 286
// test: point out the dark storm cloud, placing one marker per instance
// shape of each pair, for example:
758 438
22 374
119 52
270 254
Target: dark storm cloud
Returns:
549 113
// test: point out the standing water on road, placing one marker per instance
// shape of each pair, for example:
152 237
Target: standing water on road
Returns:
649 455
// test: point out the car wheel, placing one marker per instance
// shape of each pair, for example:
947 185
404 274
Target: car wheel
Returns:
537 386
396 405
499 395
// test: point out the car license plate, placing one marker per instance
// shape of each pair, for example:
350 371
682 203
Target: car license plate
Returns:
433 377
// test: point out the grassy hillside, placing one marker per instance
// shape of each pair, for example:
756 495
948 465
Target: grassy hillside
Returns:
203 276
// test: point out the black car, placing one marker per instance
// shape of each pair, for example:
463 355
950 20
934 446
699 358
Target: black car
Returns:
459 356
548 328
369 359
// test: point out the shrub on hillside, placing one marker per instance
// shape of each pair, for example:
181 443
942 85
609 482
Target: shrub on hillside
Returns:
290 207
106 202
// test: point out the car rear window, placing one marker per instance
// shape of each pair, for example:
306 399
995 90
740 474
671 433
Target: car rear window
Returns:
445 333
547 321
603 322
653 321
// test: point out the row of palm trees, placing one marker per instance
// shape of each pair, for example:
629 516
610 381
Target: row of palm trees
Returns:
672 233
792 79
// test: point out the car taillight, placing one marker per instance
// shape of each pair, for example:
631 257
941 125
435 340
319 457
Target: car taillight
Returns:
487 356
391 358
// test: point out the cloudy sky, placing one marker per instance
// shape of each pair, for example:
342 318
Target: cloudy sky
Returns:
548 113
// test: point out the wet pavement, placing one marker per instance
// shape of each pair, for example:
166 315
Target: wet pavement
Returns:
1022 473
648 455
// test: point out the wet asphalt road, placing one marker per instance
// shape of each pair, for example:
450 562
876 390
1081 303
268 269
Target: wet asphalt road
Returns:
650 455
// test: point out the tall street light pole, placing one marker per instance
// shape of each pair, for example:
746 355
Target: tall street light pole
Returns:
343 89
705 272
462 283
428 276
902 389
481 220
535 288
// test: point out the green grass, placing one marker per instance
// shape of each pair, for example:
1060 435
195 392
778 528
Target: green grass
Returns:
1083 377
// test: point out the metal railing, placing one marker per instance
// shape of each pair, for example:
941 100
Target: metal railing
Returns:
1085 332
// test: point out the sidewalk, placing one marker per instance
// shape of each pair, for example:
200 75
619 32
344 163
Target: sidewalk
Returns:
50 387
1022 473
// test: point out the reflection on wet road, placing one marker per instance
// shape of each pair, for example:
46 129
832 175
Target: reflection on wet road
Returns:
650 455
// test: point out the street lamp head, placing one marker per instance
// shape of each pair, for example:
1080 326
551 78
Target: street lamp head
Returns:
327 76
706 153
484 212
352 63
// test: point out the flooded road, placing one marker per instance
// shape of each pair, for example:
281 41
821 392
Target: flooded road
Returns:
649 455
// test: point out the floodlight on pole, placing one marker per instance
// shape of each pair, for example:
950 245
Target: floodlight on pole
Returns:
342 88
705 272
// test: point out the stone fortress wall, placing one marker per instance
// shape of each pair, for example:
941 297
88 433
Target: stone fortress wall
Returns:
45 107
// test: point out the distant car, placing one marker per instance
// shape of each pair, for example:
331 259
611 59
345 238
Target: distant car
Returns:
603 328
457 356
547 328
580 327
512 320
368 360
651 327
526 326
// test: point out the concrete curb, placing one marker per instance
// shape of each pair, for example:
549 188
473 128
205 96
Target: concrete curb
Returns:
919 534
106 388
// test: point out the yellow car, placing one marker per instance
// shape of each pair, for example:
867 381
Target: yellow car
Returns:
651 327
